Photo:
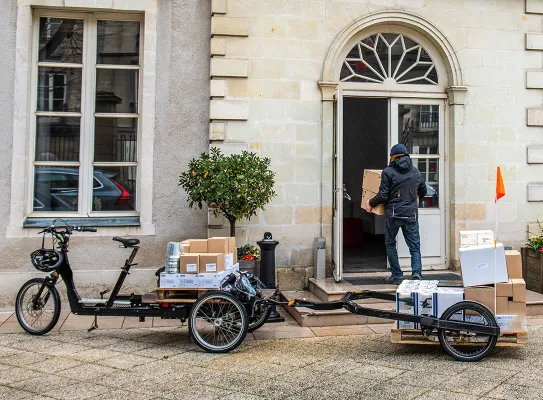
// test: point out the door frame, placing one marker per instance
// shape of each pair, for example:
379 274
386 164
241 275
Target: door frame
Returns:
337 223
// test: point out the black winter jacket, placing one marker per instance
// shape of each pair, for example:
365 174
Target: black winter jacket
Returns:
401 184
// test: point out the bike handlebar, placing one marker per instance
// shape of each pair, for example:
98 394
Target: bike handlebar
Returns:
53 229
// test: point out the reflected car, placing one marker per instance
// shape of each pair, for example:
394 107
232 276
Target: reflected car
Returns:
57 189
431 200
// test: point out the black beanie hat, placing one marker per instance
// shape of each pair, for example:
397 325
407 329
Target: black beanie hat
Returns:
398 149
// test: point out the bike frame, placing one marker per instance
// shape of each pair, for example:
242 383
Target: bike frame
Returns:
425 321
136 307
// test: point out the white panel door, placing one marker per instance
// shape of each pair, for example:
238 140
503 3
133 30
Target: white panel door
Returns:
337 245
419 125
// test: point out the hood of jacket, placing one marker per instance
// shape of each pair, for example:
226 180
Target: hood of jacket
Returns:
402 164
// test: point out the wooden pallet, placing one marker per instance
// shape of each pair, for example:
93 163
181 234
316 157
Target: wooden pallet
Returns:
415 336
179 295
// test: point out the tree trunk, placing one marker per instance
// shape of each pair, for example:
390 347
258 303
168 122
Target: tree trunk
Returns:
232 227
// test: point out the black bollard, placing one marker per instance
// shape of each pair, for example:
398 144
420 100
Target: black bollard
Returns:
267 269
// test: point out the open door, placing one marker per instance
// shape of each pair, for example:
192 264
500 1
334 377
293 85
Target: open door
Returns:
337 234
419 125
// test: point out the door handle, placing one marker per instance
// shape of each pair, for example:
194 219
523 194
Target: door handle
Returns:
345 194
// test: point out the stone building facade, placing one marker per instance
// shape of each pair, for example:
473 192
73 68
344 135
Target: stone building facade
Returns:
322 87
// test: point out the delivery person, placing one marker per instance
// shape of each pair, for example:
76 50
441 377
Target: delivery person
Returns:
401 187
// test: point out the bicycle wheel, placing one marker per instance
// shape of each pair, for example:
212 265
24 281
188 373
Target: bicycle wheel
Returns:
218 322
261 316
37 318
465 345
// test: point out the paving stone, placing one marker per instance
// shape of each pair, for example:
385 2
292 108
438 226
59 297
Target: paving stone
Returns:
199 392
129 346
161 351
77 391
4 316
88 372
54 364
241 396
285 332
392 390
514 392
124 395
23 358
441 395
194 357
16 374
125 361
42 384
372 372
13 394
93 354
468 385
241 365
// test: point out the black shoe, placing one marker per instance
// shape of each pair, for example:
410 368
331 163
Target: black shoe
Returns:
393 281
416 277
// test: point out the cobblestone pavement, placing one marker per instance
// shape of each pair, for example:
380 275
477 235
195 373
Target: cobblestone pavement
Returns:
159 362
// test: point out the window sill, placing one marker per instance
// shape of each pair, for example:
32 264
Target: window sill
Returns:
39 222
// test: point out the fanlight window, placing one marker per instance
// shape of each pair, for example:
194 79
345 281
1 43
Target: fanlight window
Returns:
389 56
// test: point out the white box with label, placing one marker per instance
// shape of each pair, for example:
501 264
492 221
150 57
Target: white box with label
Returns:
405 304
483 265
444 297
170 281
189 281
476 238
211 281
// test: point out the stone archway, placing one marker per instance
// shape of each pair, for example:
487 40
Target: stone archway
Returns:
454 89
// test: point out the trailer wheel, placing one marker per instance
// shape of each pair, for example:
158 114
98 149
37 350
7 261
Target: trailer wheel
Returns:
465 345
218 322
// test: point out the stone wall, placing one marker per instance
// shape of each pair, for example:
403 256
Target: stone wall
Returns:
267 58
181 117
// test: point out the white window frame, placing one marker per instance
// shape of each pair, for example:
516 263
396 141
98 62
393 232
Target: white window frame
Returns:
25 97
88 113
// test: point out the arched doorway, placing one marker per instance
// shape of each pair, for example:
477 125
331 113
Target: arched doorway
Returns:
389 81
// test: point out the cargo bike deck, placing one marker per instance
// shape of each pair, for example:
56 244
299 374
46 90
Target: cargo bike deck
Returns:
467 330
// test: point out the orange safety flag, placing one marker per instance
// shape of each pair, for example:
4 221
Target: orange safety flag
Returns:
500 188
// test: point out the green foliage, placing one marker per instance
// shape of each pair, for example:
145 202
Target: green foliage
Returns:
536 242
248 252
236 186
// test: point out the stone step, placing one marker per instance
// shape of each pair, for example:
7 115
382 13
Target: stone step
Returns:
310 318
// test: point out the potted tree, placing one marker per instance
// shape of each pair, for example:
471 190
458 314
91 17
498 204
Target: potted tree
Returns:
235 186
532 263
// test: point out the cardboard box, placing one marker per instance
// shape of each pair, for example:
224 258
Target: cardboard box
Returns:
444 297
211 281
231 243
211 263
515 323
519 290
185 246
198 245
516 308
218 245
504 289
513 259
169 281
502 305
482 265
367 196
371 180
228 261
425 301
188 263
481 294
189 281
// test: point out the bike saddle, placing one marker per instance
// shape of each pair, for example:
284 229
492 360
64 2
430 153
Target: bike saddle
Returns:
127 242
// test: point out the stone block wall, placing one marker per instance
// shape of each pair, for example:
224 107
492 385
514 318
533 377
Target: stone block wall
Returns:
284 44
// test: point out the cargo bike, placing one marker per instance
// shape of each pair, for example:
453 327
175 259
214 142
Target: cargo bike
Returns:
218 320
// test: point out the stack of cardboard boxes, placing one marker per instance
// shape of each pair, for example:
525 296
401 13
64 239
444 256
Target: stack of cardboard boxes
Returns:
203 264
370 186
493 277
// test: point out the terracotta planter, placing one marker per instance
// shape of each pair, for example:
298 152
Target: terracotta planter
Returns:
252 266
532 269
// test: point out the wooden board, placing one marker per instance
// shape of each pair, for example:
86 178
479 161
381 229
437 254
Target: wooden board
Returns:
415 336
179 295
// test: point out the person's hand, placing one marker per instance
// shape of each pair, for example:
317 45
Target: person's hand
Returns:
368 207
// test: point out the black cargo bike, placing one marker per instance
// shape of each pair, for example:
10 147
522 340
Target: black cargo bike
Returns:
219 320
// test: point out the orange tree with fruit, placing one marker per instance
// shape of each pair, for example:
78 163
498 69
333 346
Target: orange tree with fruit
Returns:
235 186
